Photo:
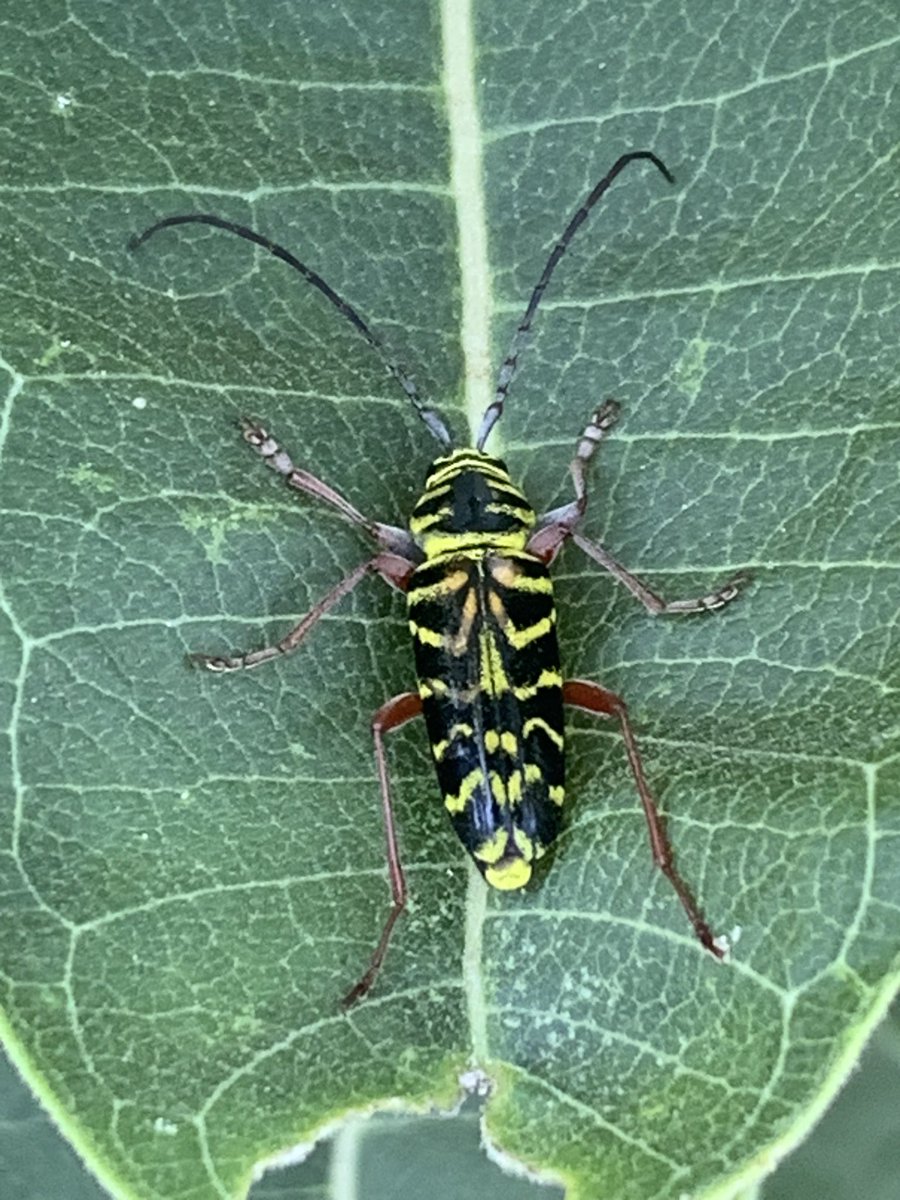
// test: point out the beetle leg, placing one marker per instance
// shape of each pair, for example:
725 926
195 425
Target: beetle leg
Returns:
389 537
593 698
558 524
391 715
651 601
554 527
391 567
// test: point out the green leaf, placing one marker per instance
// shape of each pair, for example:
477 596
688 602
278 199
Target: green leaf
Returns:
191 867
35 1162
857 1145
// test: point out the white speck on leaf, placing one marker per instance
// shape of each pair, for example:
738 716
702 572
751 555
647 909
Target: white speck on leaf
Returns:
723 943
475 1082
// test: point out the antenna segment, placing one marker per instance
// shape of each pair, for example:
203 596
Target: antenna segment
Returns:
430 416
510 364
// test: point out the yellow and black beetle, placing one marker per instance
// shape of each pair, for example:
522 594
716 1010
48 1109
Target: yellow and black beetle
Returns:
474 567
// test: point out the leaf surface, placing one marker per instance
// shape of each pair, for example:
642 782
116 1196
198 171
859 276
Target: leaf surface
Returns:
191 867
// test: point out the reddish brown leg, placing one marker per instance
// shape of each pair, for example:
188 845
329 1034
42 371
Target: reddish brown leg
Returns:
394 569
651 601
554 527
392 715
595 699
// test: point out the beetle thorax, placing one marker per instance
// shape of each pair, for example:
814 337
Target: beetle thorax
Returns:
470 503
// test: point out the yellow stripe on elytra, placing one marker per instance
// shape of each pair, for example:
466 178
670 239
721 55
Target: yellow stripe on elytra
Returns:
548 678
524 844
519 638
534 774
506 791
494 741
539 723
507 574
515 842
433 687
501 616
455 643
462 729
494 848
494 680
428 637
528 583
467 789
445 586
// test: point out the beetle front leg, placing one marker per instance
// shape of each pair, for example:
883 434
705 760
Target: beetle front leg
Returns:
392 715
389 537
593 698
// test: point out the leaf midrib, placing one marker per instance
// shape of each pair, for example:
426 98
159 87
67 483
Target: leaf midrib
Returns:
467 189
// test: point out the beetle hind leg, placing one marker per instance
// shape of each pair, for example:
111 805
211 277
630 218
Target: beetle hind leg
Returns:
592 698
391 715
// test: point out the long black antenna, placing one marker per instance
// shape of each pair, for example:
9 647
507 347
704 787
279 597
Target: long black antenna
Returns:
430 416
520 338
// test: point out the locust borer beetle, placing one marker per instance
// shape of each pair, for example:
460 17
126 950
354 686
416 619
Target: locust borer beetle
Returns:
474 567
